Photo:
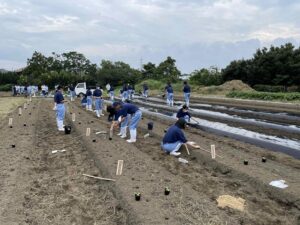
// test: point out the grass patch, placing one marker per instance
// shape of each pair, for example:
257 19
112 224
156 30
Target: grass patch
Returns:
9 104
294 96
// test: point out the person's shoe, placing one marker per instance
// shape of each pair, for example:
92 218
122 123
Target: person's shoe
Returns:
119 134
123 136
131 141
175 153
61 129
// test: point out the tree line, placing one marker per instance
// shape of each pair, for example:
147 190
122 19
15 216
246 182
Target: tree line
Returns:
276 66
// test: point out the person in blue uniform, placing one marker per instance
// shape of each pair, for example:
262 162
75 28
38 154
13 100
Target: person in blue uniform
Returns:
60 108
84 101
111 93
89 99
145 90
98 101
184 113
124 93
130 92
72 92
170 94
175 138
186 93
135 113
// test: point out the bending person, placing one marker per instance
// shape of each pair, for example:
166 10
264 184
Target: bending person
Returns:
135 113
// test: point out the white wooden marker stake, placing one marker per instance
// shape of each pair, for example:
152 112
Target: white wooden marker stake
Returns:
73 117
20 111
10 121
25 106
88 131
213 151
30 99
119 167
187 149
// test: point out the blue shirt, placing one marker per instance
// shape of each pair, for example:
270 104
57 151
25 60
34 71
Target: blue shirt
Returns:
58 97
181 114
111 89
187 89
88 93
145 87
71 88
97 93
173 135
169 89
118 114
128 108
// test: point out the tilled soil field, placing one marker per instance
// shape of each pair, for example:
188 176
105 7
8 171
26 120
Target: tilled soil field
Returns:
39 187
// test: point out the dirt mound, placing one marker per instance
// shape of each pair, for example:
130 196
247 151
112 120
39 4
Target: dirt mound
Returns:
233 85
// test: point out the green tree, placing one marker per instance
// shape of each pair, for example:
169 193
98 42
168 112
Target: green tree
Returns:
167 70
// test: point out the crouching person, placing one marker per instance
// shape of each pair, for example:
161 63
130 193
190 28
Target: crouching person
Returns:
125 109
175 138
60 108
184 113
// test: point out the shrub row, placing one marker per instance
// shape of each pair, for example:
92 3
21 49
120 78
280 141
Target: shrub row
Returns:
294 96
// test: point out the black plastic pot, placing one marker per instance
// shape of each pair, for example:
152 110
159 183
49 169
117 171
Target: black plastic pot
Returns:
263 159
68 129
165 130
24 125
94 140
110 138
13 146
137 196
79 123
246 162
150 126
10 126
167 191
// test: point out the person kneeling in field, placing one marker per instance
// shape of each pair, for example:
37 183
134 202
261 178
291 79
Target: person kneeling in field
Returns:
184 113
175 138
134 112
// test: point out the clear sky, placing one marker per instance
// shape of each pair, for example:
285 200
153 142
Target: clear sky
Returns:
197 33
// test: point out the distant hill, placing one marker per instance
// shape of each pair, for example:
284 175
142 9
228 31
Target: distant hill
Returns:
3 71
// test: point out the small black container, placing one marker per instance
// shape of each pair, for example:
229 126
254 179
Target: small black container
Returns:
94 140
13 146
10 126
79 123
137 196
263 159
150 126
246 162
24 125
167 191
92 121
110 138
165 130
68 129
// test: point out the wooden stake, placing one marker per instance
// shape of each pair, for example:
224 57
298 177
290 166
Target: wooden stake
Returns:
10 121
119 167
187 149
73 117
25 106
99 178
213 151
88 132
20 111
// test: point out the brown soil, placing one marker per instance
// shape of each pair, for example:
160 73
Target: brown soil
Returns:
38 187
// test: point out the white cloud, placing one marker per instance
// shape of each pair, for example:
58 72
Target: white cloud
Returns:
152 29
